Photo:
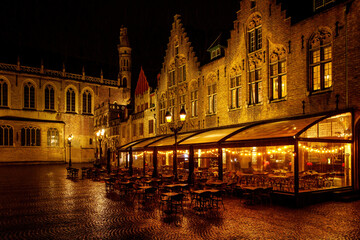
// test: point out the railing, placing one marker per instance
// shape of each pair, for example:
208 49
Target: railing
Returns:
53 73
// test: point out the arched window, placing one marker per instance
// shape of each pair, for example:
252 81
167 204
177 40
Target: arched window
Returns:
124 82
49 98
30 136
320 53
6 135
70 100
86 102
29 95
3 93
53 137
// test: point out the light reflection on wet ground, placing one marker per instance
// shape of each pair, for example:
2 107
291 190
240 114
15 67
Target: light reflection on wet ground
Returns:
38 202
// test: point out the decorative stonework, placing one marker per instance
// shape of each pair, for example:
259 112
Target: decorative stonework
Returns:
278 52
182 60
254 20
235 69
321 36
194 84
211 77
256 59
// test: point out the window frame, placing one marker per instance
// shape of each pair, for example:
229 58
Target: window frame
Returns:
212 99
4 93
194 103
29 96
6 136
49 98
281 77
71 108
87 104
53 133
30 136
254 86
321 63
235 91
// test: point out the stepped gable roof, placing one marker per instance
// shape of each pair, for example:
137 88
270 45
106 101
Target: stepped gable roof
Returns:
142 84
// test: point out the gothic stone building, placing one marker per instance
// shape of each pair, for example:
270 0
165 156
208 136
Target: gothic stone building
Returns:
40 108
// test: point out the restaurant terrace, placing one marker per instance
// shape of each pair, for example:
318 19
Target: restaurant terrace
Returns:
294 156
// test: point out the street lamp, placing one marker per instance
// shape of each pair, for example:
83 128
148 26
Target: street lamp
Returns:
69 142
100 135
175 129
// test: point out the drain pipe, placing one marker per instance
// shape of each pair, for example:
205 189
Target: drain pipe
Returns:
347 8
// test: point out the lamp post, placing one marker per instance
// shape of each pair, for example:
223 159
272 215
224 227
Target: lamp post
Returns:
175 129
100 135
69 142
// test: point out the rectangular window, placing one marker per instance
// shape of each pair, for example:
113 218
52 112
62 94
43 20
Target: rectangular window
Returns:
171 78
212 99
141 129
194 103
255 39
255 87
278 80
235 92
151 126
182 70
30 137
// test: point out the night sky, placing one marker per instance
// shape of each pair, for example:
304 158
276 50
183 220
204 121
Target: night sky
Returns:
86 32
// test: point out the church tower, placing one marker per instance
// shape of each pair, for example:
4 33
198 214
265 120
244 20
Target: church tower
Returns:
124 79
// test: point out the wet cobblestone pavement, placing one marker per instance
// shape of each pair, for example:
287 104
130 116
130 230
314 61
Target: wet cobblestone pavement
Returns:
38 202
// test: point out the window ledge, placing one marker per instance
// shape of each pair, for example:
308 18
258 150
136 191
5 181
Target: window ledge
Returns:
327 90
254 105
71 112
210 114
278 100
88 114
50 110
194 117
29 109
4 107
234 109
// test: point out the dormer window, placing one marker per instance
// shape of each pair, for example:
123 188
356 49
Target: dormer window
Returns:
215 53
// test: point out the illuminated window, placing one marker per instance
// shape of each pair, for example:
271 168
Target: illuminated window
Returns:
212 99
70 100
30 136
3 93
320 61
255 87
29 96
49 98
6 135
235 92
52 137
87 102
278 80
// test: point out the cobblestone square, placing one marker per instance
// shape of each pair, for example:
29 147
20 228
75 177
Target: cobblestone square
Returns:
38 202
